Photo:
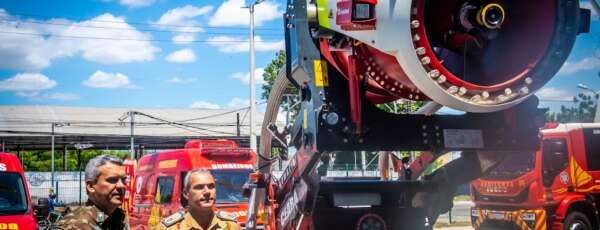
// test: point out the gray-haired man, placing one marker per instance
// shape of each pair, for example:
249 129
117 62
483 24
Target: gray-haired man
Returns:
105 186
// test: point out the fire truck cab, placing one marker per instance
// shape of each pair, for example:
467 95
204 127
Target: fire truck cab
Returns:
16 210
556 187
159 180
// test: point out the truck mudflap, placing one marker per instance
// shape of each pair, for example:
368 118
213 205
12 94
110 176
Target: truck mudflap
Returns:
535 219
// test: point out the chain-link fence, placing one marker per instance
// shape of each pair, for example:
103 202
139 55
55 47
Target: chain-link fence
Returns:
68 186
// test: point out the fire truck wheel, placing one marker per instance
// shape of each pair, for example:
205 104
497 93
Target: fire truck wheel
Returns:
577 221
371 221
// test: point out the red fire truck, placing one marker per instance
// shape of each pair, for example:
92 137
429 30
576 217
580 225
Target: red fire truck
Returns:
556 187
159 180
16 210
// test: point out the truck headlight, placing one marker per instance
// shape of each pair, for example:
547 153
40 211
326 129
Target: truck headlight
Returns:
528 216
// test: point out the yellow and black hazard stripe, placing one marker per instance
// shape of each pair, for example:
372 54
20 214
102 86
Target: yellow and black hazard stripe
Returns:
514 217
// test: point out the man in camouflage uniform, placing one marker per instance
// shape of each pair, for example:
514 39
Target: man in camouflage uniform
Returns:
201 193
105 186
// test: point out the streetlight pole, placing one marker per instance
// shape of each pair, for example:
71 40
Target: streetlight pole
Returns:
52 157
131 124
79 147
252 78
131 114
257 194
54 124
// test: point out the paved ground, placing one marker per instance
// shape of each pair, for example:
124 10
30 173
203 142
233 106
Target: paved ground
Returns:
455 228
460 213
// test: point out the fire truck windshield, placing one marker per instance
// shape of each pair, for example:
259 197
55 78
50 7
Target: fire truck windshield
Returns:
229 185
12 194
513 166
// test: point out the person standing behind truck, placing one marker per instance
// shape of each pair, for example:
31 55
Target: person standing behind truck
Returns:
200 191
105 181
52 200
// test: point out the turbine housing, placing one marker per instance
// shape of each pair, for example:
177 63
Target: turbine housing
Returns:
472 55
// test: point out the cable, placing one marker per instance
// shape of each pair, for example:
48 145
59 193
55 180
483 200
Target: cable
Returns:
220 114
125 39
180 124
138 23
134 29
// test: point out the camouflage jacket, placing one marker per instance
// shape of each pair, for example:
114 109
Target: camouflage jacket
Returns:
89 217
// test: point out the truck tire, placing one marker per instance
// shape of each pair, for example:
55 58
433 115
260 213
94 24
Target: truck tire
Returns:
577 221
371 221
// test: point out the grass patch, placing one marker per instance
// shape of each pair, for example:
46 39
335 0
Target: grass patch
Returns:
462 198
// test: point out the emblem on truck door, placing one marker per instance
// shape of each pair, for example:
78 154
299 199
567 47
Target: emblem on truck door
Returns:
564 177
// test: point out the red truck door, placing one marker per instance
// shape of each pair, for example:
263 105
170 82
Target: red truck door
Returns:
555 159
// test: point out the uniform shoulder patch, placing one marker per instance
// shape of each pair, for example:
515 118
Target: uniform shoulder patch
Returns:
226 216
173 219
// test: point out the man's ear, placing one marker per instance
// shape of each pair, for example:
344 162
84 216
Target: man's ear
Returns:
186 195
89 187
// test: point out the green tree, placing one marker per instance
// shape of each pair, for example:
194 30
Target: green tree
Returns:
271 72
401 106
42 160
584 110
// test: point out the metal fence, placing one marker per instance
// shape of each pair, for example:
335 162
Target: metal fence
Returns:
68 186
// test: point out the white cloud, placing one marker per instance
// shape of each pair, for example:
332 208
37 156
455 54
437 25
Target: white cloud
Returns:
182 15
23 49
62 96
178 80
114 51
554 94
227 44
107 80
182 56
588 63
27 94
237 103
231 13
204 105
182 39
181 19
245 77
36 96
27 82
136 3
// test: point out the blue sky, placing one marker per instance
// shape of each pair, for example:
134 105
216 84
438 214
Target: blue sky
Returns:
201 62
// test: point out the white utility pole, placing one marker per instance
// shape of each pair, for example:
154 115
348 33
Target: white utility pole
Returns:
131 124
252 80
54 124
257 194
52 153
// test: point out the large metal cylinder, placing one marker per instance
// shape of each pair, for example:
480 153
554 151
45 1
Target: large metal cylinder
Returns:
470 55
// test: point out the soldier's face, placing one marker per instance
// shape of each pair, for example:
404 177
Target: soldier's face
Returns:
109 189
202 192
